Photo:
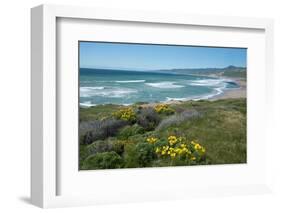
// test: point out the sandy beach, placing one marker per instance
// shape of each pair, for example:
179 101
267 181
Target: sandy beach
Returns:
240 92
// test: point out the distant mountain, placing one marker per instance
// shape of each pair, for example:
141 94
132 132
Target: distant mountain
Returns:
230 71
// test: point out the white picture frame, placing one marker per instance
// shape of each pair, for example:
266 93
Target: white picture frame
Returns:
44 154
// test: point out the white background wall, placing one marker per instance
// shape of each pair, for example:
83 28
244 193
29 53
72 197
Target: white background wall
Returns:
15 99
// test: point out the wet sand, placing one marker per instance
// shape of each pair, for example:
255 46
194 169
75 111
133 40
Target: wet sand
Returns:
234 93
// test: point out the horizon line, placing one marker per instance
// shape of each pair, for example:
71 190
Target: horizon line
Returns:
138 69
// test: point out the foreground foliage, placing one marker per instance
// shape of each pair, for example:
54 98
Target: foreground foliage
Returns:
189 133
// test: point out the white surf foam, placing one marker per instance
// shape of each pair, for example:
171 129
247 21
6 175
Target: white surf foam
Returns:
165 85
87 104
86 89
217 91
112 92
131 81
207 82
177 99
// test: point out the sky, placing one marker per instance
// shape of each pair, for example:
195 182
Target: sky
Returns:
104 55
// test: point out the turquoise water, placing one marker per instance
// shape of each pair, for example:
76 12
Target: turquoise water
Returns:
99 86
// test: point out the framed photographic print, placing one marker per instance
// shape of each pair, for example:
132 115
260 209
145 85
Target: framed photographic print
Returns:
149 106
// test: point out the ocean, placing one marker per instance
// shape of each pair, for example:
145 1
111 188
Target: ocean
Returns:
124 87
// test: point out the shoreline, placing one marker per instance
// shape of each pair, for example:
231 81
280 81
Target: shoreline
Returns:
240 92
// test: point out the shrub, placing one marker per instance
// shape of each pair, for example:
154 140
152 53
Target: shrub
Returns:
137 138
164 109
105 160
128 131
110 144
130 159
126 114
178 148
102 129
145 154
86 126
111 126
139 155
91 136
177 119
148 118
119 146
100 146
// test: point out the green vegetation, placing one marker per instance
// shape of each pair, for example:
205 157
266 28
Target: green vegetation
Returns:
190 133
104 160
237 74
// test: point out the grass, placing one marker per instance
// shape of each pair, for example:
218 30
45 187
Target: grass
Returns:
97 112
219 126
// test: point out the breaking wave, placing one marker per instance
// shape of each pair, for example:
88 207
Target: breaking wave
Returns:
111 92
165 85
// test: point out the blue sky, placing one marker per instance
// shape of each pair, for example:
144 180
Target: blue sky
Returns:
151 57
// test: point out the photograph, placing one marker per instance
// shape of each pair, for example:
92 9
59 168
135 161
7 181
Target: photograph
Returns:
161 105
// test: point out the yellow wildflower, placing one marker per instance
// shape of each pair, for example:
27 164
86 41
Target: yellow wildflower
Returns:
183 145
173 154
172 140
151 140
157 150
126 114
163 108
197 146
